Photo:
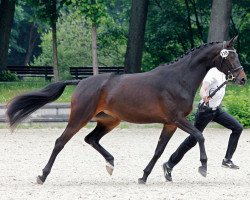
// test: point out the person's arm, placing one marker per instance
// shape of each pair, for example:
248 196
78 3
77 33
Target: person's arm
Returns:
203 92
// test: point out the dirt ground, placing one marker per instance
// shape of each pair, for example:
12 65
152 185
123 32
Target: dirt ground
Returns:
79 171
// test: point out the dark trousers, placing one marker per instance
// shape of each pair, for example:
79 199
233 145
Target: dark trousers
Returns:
201 121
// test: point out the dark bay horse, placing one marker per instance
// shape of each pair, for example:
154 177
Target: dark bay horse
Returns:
164 95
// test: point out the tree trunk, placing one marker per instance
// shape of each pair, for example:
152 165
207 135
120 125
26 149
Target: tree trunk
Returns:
32 40
220 19
53 20
7 10
191 37
55 57
94 50
138 18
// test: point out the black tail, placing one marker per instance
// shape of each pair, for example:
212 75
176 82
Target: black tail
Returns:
22 106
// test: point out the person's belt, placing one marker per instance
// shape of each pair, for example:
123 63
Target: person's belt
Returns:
212 108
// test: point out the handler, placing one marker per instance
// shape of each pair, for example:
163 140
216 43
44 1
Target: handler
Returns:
210 111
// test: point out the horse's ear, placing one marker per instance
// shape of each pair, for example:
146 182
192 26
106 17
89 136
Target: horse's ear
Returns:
232 41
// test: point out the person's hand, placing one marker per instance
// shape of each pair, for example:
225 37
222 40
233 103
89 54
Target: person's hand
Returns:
206 99
203 92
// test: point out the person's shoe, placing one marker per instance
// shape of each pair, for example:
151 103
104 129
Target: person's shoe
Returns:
167 171
229 164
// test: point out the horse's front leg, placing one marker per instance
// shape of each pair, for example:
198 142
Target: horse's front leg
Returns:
165 136
186 126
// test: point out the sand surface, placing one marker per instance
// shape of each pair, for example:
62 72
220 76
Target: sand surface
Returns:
79 171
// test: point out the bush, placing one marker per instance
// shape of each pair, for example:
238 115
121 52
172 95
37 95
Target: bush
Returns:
237 103
191 116
7 76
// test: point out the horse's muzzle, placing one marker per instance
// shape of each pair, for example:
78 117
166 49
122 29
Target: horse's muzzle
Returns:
241 78
242 81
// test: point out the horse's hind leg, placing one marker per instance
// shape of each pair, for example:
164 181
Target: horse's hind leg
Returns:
78 119
165 136
104 126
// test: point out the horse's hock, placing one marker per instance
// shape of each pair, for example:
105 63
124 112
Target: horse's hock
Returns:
54 112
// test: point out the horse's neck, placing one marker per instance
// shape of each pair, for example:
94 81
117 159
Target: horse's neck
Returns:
191 69
197 68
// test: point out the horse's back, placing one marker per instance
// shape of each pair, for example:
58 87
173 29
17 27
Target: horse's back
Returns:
134 98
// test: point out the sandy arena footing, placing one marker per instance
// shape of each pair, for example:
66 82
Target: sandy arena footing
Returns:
79 171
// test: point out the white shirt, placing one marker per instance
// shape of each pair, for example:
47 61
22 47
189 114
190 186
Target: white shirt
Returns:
215 78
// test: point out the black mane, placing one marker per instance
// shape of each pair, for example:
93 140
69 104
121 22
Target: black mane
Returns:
192 50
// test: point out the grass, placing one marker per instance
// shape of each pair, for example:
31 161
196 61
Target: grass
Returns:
8 90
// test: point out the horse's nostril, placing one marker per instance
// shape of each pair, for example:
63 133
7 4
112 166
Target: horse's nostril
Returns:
243 80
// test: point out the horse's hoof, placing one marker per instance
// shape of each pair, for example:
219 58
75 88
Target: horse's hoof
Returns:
203 171
109 168
39 180
141 181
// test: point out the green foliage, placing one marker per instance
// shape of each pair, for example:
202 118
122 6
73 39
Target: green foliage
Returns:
191 116
237 103
112 43
168 36
47 11
93 10
74 44
8 76
18 19
240 26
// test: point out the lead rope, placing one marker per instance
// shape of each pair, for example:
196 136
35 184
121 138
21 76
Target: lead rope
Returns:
202 106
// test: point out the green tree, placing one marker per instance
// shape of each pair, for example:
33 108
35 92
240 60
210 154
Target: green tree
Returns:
25 36
172 29
74 44
49 12
94 11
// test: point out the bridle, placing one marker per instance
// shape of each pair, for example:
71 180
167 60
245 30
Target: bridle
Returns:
224 53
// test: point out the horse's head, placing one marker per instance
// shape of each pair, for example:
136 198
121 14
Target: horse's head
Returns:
230 64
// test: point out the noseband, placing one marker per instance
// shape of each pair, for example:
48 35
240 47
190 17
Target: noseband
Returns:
224 53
